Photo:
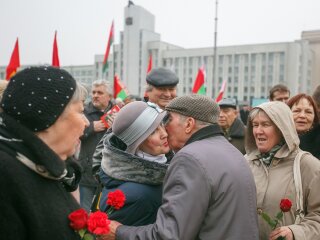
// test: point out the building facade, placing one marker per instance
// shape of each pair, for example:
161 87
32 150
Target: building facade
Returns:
248 70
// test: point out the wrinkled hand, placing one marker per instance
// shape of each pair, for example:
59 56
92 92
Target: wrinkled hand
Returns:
112 234
98 126
281 232
111 118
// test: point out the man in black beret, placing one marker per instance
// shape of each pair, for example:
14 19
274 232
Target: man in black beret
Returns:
161 86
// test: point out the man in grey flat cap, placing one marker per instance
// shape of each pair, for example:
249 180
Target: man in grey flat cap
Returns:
209 191
233 128
161 86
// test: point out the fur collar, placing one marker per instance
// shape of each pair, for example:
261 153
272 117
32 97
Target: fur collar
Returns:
121 165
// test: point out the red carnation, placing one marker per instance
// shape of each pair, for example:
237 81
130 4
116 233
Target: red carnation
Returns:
116 199
98 223
78 219
285 205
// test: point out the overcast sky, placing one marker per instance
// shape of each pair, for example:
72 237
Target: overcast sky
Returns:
83 25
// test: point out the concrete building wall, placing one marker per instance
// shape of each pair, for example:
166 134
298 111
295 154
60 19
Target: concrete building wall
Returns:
313 37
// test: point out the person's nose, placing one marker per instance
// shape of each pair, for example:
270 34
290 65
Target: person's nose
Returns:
163 132
258 129
86 121
302 114
167 92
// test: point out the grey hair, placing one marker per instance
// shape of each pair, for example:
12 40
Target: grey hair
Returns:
80 94
198 124
104 83
254 113
149 88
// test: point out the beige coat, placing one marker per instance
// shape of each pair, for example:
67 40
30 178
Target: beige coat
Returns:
276 181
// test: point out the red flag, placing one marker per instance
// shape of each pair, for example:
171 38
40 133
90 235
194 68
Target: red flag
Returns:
150 64
110 41
14 62
198 87
220 95
55 53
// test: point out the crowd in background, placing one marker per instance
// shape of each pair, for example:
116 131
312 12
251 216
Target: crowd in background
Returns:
190 168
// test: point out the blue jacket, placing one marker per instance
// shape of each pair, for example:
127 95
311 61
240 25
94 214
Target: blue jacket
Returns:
142 185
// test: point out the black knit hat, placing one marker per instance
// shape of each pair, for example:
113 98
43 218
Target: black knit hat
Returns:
37 96
199 107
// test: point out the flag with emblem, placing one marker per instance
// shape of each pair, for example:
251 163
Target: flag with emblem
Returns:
221 92
119 90
199 87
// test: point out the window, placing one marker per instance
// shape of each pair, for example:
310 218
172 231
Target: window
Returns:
220 60
237 59
253 59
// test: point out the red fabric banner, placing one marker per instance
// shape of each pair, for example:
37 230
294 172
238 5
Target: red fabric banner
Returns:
14 62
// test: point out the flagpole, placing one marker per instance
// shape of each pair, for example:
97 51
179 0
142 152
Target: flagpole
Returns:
114 64
215 48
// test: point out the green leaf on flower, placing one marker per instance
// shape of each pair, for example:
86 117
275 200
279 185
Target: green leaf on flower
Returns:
270 221
88 236
279 215
82 232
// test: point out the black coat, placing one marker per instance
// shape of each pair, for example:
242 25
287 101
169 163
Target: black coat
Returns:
32 206
89 142
310 141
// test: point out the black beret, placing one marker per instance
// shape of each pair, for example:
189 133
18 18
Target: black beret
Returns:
162 77
37 96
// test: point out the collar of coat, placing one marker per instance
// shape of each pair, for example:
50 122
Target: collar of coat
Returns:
92 109
121 165
15 139
206 132
237 129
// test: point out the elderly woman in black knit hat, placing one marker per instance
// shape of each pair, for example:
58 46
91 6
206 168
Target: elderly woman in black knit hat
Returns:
41 121
134 161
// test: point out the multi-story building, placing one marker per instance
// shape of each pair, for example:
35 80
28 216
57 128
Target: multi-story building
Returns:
249 70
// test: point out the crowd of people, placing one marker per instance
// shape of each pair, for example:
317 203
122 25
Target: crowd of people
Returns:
190 168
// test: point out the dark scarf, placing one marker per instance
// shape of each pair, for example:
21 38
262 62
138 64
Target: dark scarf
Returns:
268 157
206 132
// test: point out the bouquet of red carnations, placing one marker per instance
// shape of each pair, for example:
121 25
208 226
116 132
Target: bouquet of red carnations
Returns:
96 223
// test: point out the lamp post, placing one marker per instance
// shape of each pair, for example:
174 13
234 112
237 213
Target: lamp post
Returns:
215 48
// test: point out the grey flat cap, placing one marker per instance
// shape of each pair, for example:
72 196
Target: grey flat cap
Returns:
161 77
199 107
228 102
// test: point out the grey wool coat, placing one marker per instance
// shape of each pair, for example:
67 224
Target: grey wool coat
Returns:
209 193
